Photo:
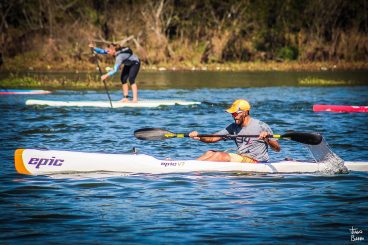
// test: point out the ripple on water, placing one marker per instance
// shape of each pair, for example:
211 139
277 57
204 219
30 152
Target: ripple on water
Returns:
199 207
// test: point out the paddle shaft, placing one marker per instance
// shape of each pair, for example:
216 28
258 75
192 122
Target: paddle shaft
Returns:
161 134
278 136
100 71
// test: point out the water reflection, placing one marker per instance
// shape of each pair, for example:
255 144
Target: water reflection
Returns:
208 79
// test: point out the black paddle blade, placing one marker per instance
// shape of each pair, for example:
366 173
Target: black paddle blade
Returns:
305 138
152 134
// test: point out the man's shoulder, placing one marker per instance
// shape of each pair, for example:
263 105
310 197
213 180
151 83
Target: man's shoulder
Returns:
232 125
257 122
262 125
254 121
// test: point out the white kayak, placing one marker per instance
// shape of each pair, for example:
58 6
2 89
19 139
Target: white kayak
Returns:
115 104
38 162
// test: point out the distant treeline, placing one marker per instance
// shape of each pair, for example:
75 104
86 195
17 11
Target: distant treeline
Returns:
186 31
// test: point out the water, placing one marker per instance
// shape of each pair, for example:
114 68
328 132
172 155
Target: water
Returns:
185 208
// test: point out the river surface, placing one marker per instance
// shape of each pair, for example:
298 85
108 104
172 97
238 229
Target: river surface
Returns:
186 208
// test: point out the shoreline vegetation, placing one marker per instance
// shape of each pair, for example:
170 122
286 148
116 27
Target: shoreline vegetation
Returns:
90 81
40 37
20 64
234 35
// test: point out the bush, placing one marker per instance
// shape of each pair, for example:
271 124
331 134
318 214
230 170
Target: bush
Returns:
287 53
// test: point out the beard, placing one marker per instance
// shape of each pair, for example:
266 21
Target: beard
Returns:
239 121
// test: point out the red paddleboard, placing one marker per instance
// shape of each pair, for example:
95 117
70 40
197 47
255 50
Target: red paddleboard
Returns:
23 91
340 108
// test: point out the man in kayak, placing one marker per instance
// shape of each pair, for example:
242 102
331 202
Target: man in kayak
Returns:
123 56
250 150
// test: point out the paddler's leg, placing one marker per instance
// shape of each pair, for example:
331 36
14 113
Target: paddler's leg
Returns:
135 92
241 158
133 72
124 78
215 156
218 156
125 90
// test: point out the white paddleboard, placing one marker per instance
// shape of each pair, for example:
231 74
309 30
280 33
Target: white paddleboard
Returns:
115 104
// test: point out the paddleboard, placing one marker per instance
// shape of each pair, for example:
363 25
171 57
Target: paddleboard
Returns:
115 104
38 162
23 91
340 108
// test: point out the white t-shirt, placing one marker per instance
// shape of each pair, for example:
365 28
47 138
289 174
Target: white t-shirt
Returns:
251 147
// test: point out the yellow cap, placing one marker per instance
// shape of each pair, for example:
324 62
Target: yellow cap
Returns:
239 105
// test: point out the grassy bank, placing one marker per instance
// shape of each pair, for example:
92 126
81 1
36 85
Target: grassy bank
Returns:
91 81
29 62
88 81
264 66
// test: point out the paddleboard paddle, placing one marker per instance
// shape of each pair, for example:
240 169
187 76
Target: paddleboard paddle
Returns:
100 71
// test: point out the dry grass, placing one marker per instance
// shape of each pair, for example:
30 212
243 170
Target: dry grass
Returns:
313 81
184 61
45 82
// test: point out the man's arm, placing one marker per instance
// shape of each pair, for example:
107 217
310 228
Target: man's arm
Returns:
194 135
274 144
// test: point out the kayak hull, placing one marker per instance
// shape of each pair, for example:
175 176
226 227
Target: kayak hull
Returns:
38 162
339 108
115 104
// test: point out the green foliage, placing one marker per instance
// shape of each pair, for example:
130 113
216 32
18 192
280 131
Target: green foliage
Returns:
313 81
287 53
210 30
15 81
38 81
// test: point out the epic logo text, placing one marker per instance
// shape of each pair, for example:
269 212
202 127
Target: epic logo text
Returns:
45 161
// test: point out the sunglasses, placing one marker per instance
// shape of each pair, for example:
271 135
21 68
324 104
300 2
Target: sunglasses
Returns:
235 114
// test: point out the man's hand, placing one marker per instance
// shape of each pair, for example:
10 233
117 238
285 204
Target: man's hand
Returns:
194 135
264 136
273 143
91 45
